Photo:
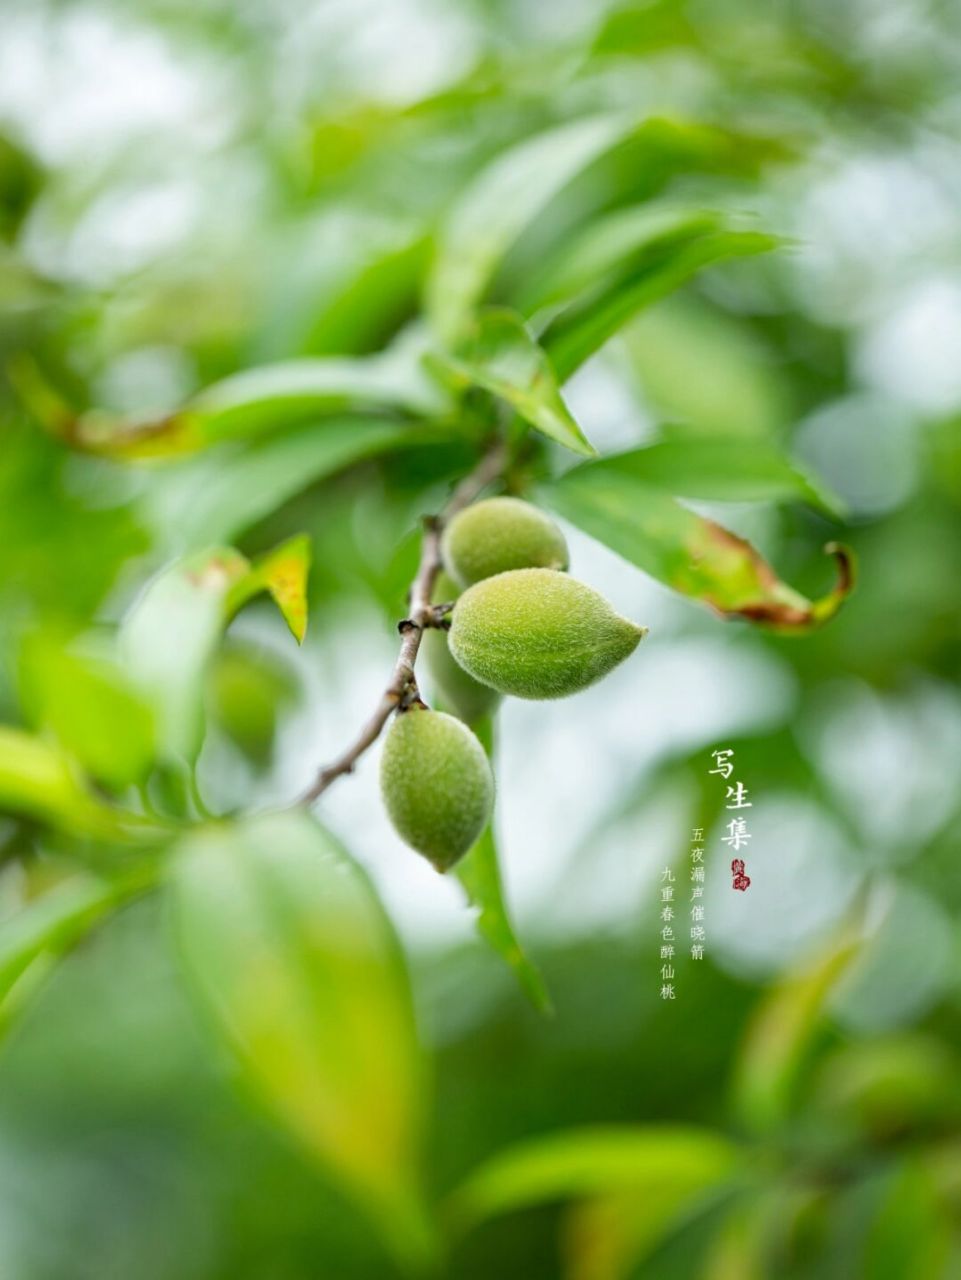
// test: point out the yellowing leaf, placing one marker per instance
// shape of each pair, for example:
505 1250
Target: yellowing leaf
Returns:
246 405
688 552
293 959
283 573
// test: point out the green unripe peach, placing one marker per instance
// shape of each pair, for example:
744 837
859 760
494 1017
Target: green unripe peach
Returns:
499 534
459 692
535 633
437 784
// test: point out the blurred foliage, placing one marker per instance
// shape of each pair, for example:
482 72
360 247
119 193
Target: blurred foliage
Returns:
272 277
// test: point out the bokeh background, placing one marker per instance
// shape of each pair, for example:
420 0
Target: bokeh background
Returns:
187 189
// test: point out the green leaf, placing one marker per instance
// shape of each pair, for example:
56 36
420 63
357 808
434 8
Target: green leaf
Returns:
756 1226
480 875
610 1237
91 707
167 639
294 961
702 366
257 401
911 1231
49 925
509 196
583 327
499 204
36 779
662 1168
736 470
779 1036
501 356
293 390
212 498
614 242
689 553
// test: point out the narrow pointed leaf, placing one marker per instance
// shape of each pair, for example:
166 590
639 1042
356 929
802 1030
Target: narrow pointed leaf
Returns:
480 875
508 196
295 964
264 400
583 327
52 923
502 357
688 552
501 202
583 1164
212 498
736 470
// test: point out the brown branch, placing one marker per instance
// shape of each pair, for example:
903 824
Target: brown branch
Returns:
402 691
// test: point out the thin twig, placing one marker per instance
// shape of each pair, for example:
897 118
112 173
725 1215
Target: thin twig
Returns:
402 691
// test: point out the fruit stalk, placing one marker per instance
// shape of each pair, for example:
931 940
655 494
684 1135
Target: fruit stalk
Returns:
402 689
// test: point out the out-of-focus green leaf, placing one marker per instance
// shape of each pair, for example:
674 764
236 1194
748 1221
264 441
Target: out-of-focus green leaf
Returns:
693 555
292 390
778 1037
638 29
167 639
92 709
664 1167
502 357
735 470
583 327
886 1086
291 955
257 401
363 311
500 203
211 499
911 1231
52 923
755 1229
614 242
36 779
247 689
702 367
508 197
610 1237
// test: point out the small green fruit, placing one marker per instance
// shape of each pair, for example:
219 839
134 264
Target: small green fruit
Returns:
499 534
535 633
461 693
436 783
